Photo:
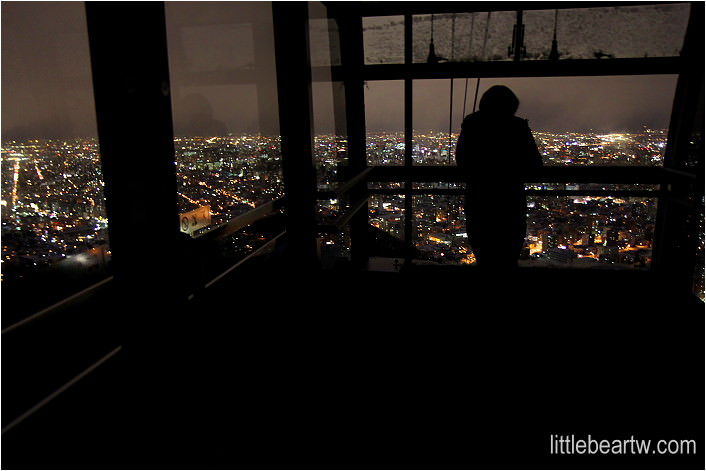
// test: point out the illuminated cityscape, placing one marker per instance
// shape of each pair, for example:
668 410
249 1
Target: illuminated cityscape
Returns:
53 209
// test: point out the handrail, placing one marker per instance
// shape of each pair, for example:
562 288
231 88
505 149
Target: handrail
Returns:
347 186
344 218
57 305
248 257
265 209
243 220
63 388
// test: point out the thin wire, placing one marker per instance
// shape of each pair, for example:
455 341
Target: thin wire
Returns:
470 55
451 88
485 39
475 99
485 42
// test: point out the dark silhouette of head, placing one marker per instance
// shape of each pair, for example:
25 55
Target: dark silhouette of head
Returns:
499 100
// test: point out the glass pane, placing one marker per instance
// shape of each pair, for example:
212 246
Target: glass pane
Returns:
383 39
607 32
590 232
457 37
439 231
54 226
323 37
590 148
581 33
224 100
222 253
590 120
438 109
386 214
224 177
384 122
329 157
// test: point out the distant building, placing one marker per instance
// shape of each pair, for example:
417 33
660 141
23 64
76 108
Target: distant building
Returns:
563 256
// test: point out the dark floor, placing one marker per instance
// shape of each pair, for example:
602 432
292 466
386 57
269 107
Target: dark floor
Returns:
430 368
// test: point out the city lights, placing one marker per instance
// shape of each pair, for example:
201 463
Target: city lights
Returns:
55 203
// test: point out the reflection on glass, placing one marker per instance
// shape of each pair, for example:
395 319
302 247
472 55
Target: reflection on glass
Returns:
383 39
581 33
258 238
54 225
440 229
384 122
593 232
224 101
323 39
463 37
203 53
328 211
607 32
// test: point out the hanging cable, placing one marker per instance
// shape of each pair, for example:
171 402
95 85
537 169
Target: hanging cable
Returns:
485 42
451 86
485 37
470 55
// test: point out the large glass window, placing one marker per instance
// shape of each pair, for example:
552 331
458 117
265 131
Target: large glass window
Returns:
438 109
224 100
588 231
440 229
384 122
54 228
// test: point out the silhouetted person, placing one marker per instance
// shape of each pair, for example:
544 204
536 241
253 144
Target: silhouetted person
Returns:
494 151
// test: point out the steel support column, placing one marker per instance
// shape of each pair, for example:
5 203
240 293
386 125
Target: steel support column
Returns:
352 58
128 48
291 29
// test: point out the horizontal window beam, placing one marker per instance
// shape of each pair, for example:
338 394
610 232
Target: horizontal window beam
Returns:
460 192
428 8
536 68
593 174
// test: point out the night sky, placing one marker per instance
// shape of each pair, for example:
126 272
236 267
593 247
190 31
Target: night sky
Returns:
46 84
